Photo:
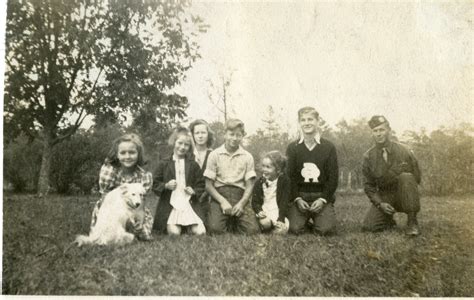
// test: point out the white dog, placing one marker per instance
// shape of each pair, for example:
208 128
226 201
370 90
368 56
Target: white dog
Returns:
121 205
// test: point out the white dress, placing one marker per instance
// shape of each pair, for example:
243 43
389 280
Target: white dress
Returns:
182 212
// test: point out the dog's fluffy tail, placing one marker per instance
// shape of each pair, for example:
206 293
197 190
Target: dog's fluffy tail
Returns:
82 240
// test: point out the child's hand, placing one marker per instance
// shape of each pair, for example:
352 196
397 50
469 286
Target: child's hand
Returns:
136 224
189 190
280 227
317 205
226 208
171 185
302 205
238 209
261 215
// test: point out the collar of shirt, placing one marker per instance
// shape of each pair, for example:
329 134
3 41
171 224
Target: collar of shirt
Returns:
387 145
134 175
272 182
175 158
223 150
317 139
198 155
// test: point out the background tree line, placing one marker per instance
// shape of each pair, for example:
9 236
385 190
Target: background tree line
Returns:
445 155
113 60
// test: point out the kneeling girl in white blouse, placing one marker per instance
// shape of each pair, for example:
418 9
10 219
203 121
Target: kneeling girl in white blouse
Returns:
271 194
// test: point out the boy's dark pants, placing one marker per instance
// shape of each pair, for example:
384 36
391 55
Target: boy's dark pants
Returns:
324 222
218 222
404 199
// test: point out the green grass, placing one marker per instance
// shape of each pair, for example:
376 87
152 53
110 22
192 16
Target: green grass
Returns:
38 259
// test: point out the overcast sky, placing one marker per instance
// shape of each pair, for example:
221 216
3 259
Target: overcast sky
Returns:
412 63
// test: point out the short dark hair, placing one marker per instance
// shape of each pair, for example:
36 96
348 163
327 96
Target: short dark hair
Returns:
210 133
232 124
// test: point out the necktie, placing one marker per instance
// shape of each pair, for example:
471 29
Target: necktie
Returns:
385 154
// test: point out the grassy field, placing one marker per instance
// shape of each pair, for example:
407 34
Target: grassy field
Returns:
38 258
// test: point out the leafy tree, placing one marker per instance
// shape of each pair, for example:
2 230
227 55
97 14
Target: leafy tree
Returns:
270 138
352 139
218 128
69 59
154 129
446 158
271 128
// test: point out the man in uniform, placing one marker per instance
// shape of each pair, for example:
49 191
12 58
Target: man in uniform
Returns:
392 177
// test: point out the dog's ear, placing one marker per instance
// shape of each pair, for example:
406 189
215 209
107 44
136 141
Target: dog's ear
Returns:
123 189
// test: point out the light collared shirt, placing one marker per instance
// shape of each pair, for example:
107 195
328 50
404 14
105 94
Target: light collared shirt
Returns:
230 168
317 139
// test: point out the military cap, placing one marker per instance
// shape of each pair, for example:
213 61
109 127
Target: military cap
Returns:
376 121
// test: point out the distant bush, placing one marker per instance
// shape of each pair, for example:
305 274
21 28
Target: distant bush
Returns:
21 163
76 161
446 155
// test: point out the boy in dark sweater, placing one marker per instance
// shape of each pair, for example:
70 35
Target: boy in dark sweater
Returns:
313 171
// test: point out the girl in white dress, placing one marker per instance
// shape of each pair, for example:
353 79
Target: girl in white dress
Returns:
179 183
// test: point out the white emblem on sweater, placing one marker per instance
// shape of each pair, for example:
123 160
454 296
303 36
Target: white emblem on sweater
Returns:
310 172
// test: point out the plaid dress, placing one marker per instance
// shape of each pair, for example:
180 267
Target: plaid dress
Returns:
111 177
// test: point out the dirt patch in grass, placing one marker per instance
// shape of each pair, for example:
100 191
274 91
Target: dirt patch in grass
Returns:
38 258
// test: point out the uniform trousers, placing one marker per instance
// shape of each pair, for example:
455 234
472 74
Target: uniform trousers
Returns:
404 198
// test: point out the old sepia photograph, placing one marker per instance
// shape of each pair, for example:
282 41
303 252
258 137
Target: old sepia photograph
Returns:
237 148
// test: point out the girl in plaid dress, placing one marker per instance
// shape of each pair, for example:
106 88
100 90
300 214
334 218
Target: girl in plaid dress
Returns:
122 165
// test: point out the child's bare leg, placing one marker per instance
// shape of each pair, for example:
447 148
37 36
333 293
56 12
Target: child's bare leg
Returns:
173 229
198 229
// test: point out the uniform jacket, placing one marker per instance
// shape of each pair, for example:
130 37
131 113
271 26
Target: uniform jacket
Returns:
381 175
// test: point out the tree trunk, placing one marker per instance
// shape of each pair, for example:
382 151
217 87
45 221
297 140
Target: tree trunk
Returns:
349 181
43 180
341 178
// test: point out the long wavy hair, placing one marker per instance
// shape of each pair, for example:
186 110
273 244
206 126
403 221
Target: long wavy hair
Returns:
112 156
210 133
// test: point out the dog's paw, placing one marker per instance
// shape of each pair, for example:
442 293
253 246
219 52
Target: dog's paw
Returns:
81 240
127 238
